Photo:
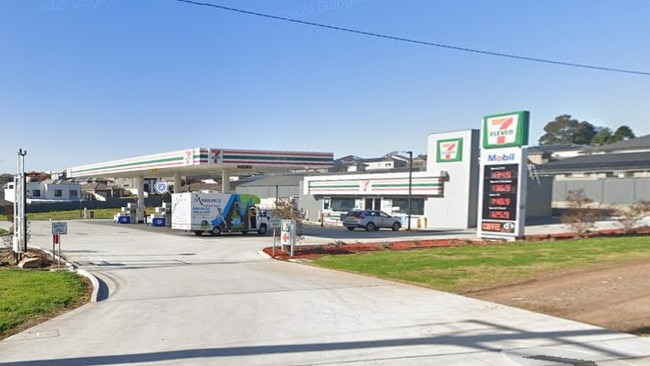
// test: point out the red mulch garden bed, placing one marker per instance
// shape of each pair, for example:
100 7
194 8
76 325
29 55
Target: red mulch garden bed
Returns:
315 251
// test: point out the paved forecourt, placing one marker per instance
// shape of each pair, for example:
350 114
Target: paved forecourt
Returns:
181 299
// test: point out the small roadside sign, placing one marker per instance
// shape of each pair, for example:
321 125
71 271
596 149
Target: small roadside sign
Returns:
275 223
59 228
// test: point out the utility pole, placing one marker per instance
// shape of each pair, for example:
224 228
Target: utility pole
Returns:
408 225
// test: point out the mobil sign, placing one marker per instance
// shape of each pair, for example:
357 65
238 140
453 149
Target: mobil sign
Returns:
503 157
506 130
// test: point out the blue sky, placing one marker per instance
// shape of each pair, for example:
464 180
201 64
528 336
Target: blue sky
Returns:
85 81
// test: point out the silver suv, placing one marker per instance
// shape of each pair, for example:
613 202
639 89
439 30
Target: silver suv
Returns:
371 220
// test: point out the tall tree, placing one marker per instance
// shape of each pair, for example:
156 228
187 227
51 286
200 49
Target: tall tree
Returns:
603 137
584 133
622 133
565 130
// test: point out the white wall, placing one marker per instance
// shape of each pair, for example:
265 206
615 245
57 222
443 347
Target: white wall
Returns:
47 192
458 207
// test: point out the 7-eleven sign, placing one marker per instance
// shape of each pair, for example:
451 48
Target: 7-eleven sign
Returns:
506 130
449 150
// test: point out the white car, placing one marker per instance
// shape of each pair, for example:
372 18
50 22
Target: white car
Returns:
371 220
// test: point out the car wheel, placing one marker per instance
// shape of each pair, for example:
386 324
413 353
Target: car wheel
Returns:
371 226
262 229
396 226
216 231
350 228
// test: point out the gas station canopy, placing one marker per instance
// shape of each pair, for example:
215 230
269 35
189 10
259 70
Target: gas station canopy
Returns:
199 161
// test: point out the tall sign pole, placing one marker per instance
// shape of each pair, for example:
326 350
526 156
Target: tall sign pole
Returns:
503 176
20 201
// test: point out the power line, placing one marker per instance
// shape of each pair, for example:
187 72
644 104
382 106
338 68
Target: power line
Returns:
425 43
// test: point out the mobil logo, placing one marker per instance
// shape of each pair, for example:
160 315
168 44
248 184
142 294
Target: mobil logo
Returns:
501 157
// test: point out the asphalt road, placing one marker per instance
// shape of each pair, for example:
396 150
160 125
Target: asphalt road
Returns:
174 298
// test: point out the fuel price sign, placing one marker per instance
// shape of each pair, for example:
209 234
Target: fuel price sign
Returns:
500 197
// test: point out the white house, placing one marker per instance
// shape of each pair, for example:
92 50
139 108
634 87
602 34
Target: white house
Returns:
47 191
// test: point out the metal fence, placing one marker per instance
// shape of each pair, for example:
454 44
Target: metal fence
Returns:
609 191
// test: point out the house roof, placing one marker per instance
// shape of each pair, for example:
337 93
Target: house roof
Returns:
275 180
598 163
558 148
637 143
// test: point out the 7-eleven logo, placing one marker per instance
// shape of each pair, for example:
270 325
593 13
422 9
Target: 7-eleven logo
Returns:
502 130
449 150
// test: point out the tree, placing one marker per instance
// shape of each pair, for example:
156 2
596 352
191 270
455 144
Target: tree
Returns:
622 133
565 130
603 137
584 133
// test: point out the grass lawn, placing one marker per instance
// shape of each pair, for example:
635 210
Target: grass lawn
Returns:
27 296
465 268
100 213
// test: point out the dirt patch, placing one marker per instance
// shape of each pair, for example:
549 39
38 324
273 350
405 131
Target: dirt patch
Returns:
616 297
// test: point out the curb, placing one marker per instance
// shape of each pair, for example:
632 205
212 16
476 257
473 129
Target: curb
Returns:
72 268
93 280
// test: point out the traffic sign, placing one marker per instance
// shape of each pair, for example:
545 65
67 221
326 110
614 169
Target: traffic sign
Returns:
59 228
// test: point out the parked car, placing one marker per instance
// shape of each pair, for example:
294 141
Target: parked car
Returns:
371 220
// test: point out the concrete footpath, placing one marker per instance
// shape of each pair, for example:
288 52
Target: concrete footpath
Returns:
177 299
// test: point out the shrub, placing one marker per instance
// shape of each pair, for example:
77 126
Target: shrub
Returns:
286 208
629 216
580 217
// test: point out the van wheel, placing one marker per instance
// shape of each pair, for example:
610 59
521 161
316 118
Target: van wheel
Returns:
244 232
371 227
396 226
198 232
350 228
262 229
216 231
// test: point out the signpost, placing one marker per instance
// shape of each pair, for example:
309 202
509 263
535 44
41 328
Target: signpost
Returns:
502 202
288 234
58 229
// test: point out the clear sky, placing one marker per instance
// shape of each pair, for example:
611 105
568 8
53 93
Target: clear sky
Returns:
86 81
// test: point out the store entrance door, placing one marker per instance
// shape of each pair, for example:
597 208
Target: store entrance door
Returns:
373 204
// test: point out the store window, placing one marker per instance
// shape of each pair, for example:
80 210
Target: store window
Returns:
36 193
342 204
74 193
58 193
401 205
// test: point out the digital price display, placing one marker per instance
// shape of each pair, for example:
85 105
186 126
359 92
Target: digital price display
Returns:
503 188
500 197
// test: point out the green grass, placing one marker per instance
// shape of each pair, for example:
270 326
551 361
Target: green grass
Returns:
26 295
466 268
100 213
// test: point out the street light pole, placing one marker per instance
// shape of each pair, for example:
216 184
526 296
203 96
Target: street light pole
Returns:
408 225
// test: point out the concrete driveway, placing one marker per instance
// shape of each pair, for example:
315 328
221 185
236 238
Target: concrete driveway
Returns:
177 299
